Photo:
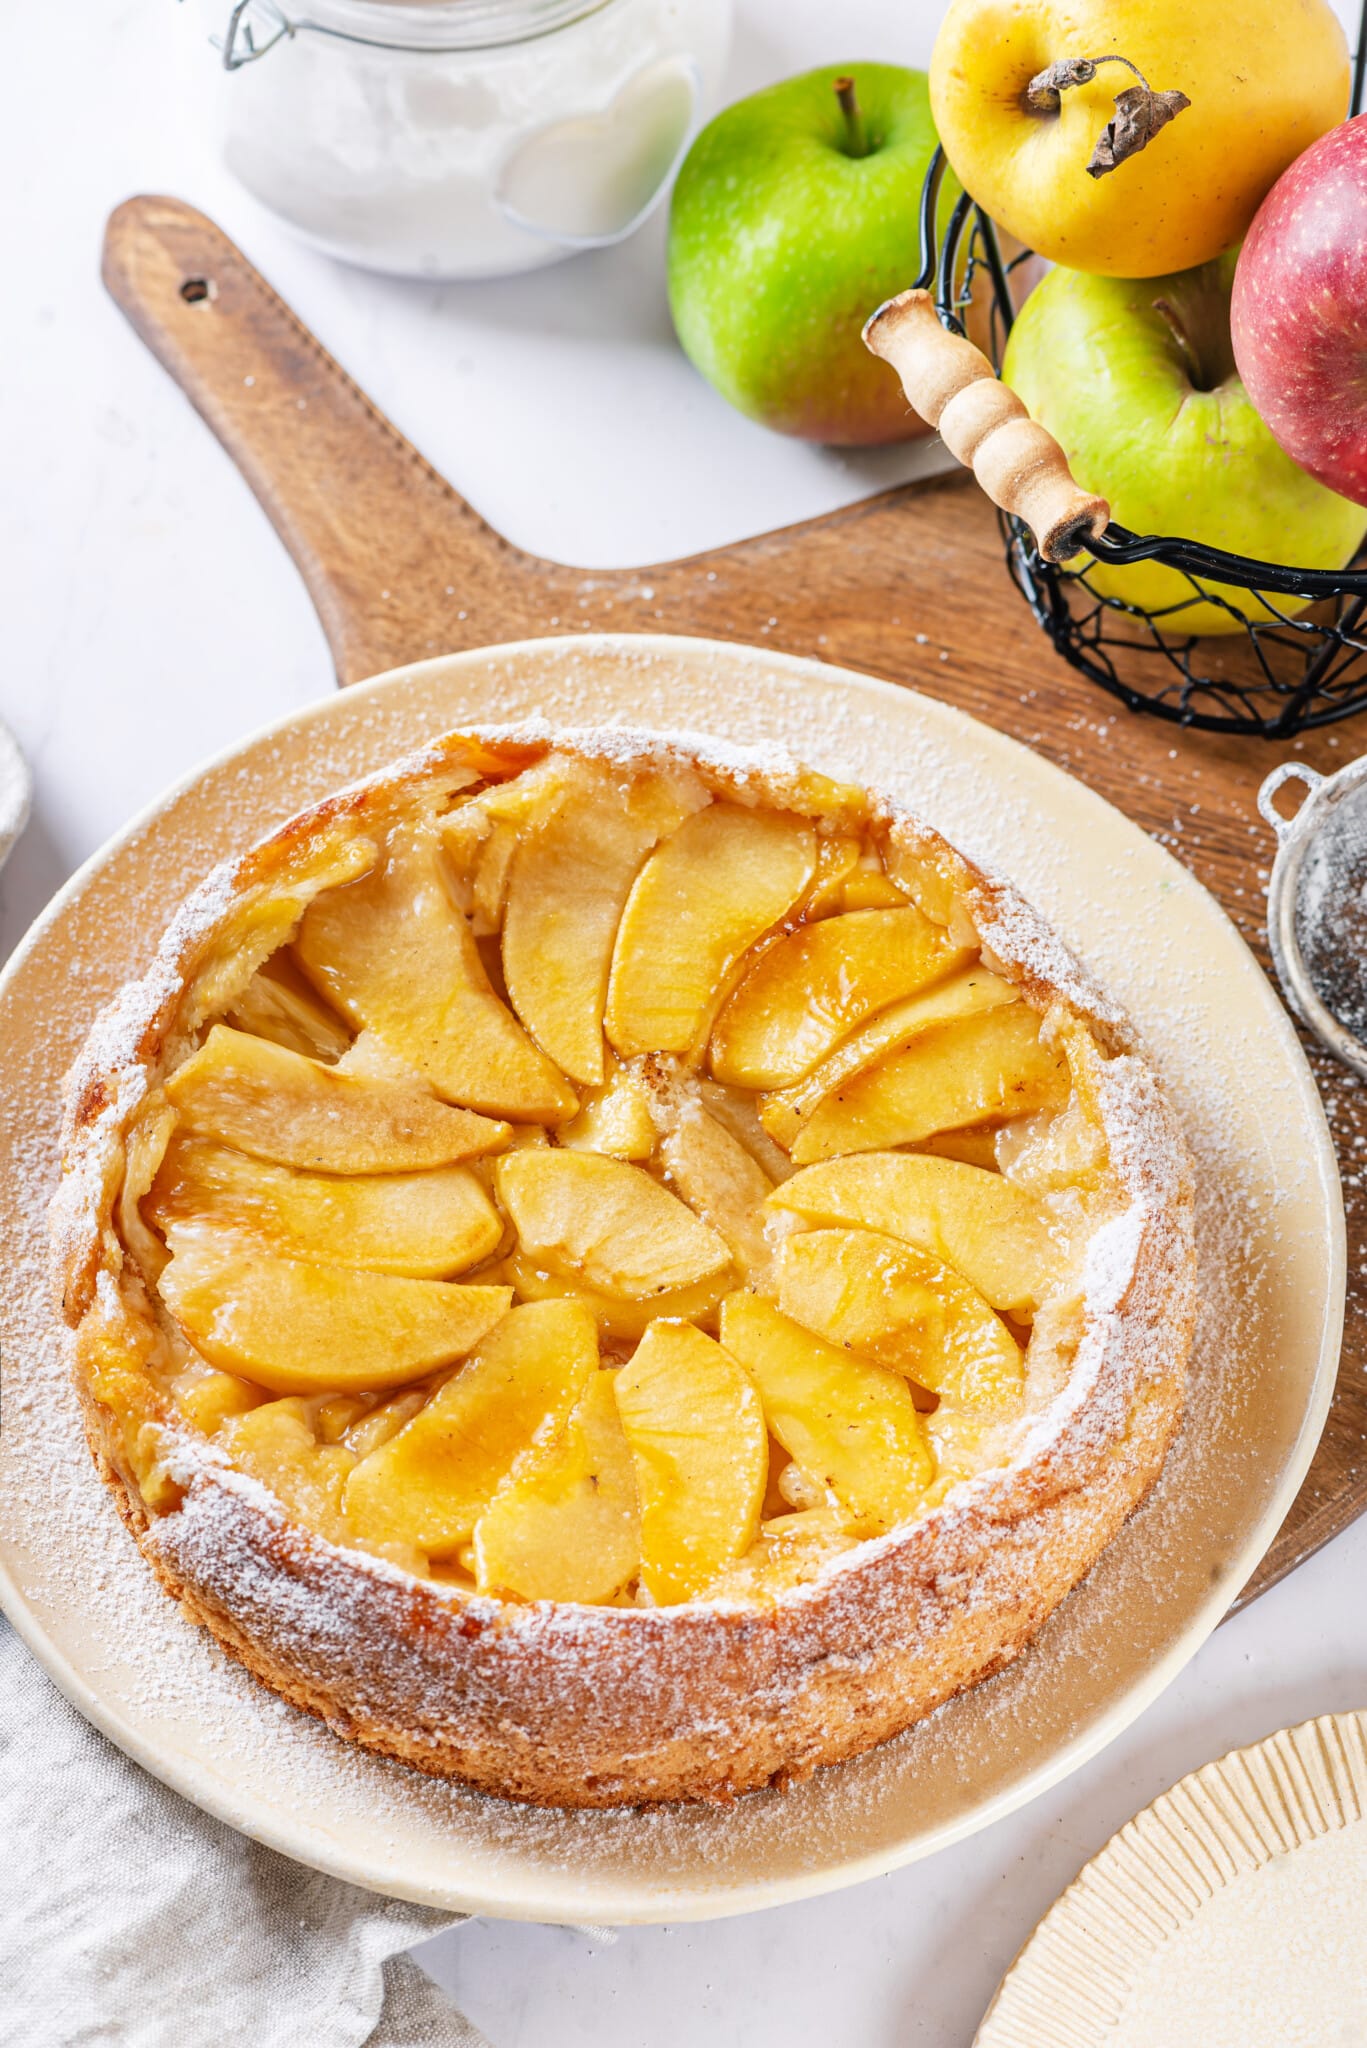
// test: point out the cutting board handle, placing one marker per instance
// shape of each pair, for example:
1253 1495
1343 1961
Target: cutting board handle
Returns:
384 545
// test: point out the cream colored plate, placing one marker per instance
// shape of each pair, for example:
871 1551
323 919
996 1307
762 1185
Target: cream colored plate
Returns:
1227 1915
1271 1233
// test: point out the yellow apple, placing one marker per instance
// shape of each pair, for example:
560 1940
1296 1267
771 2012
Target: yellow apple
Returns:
1263 80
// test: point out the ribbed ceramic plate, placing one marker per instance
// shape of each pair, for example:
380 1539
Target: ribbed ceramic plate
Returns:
1229 1914
1270 1234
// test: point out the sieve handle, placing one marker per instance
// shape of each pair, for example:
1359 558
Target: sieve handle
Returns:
1290 771
1018 463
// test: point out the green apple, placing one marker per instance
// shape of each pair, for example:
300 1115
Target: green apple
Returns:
1137 381
793 218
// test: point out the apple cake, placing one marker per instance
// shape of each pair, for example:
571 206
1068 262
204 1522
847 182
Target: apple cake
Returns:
617 1268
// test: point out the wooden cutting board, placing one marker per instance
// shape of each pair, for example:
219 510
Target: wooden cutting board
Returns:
909 585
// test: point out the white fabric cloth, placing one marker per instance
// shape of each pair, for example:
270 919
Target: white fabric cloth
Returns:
129 1919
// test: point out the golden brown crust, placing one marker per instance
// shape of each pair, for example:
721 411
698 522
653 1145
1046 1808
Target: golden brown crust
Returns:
572 1706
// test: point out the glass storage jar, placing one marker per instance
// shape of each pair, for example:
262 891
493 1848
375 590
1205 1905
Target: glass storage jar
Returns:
462 138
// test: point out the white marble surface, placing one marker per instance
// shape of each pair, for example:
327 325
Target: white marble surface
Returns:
150 617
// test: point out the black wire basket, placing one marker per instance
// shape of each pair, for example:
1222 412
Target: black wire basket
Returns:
1276 672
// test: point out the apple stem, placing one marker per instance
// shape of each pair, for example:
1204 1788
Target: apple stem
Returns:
1168 313
1140 112
1205 369
856 142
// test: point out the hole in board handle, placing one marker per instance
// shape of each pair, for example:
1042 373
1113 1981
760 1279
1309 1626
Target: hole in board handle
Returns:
198 291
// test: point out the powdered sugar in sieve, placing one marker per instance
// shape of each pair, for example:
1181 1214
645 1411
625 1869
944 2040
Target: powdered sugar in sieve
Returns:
1317 903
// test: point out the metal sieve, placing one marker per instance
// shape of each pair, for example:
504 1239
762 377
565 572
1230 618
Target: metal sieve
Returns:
1317 903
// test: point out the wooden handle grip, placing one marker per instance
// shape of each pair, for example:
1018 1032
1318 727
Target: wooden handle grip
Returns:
1018 463
391 555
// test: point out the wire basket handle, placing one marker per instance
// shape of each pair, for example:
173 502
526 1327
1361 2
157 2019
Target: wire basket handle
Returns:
1019 464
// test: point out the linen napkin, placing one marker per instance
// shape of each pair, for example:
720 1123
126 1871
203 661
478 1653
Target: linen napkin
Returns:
129 1918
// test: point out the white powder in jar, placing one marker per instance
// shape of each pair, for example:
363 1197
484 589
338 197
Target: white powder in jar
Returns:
430 138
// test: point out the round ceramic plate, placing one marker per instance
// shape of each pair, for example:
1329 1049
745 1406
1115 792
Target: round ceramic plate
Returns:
1227 1915
1271 1247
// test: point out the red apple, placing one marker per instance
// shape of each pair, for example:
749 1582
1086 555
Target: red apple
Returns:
1299 315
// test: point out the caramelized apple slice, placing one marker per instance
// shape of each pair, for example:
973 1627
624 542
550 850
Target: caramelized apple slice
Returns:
569 1527
605 1222
428 1225
931 874
812 989
701 900
568 884
615 1119
724 1184
615 1316
904 1309
278 1004
737 1111
393 952
837 856
965 1442
696 1432
791 1550
262 1099
992 1066
850 1423
275 1444
976 1145
430 1484
965 994
300 1328
209 1397
481 834
378 1424
1068 1150
989 1230
868 888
